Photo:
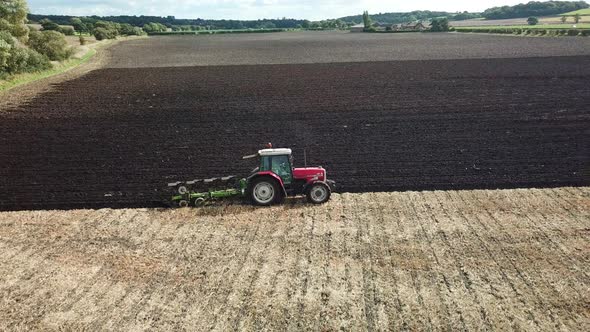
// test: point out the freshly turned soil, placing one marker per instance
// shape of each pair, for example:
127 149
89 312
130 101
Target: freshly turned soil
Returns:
116 136
329 47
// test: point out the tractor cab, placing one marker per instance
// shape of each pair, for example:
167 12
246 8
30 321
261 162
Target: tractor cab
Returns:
278 161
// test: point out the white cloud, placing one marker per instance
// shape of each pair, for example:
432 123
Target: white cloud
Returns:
252 9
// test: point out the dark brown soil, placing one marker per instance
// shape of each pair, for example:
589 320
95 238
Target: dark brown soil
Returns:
115 137
329 47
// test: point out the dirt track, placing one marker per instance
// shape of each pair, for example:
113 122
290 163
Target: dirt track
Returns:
466 260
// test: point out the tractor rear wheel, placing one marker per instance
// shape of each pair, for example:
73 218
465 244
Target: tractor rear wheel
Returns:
264 191
318 193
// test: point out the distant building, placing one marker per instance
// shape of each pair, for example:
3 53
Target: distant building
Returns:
357 28
410 26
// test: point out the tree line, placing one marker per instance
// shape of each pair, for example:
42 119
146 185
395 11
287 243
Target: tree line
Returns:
171 22
418 15
533 8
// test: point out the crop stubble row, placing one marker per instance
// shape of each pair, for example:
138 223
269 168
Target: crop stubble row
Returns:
509 259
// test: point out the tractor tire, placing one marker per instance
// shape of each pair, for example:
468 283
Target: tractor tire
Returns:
318 193
264 191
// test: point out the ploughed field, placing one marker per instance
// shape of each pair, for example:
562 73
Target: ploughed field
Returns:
455 260
116 136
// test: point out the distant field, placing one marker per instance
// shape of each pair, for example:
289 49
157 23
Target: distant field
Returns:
548 20
539 26
581 12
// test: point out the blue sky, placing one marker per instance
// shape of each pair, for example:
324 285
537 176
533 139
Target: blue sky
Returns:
252 9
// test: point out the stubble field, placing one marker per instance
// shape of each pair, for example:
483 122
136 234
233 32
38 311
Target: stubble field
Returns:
443 260
466 112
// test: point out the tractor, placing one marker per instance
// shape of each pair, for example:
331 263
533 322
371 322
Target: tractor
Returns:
271 182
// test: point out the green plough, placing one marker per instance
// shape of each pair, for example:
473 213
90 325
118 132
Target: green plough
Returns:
186 193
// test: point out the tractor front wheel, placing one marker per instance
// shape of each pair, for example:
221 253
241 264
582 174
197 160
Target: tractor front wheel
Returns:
264 191
318 193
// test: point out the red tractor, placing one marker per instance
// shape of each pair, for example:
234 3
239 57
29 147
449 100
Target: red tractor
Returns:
274 179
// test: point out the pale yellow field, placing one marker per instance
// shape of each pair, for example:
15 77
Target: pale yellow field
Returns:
456 260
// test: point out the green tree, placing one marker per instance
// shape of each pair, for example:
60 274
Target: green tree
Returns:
68 31
15 59
154 27
47 25
106 30
51 44
366 19
439 24
102 33
24 60
563 19
532 20
577 18
13 18
79 26
6 46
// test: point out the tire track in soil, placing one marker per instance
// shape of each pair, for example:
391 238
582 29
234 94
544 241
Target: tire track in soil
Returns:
567 253
500 244
234 277
413 262
19 297
103 308
246 295
28 253
577 192
299 321
176 295
540 275
271 318
389 267
320 255
150 287
136 295
462 273
416 271
291 309
573 271
441 314
493 257
157 310
365 256
74 295
204 284
426 210
350 309
403 307
585 215
129 292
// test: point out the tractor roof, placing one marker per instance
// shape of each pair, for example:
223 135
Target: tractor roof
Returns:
274 152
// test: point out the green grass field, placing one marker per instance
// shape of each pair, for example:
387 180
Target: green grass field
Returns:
21 79
583 12
539 26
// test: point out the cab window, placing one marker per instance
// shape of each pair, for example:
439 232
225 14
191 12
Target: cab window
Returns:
282 167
